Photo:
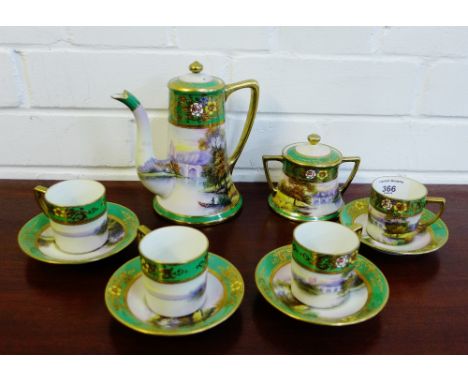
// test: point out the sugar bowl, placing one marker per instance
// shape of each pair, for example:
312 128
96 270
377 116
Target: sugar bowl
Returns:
308 189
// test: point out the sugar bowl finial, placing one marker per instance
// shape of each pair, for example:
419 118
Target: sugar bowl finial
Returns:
196 67
313 139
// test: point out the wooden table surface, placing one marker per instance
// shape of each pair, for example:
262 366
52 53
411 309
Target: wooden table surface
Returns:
55 309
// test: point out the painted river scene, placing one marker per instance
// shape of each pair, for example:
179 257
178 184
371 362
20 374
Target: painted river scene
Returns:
196 172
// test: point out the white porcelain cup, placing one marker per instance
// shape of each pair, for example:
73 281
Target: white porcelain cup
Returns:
322 264
77 210
174 262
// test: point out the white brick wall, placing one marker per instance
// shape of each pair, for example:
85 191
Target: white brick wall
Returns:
427 41
31 35
331 86
328 40
9 89
86 79
41 139
224 38
446 92
151 37
397 97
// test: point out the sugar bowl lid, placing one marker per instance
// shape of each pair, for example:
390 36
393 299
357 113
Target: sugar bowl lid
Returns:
196 81
312 153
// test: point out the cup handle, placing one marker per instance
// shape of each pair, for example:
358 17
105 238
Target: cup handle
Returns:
39 195
255 92
437 200
356 161
266 159
357 228
142 231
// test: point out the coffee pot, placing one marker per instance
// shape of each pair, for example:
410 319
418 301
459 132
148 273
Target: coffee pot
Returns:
193 184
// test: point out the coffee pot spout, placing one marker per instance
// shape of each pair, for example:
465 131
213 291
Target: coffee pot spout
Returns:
158 175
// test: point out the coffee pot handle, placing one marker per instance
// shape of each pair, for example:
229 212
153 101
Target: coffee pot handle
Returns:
356 161
266 159
254 94
437 200
39 194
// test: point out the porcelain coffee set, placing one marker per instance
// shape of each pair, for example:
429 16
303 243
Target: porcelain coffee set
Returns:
176 286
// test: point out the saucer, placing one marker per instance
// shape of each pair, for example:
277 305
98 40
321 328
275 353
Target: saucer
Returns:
367 297
432 239
36 238
125 300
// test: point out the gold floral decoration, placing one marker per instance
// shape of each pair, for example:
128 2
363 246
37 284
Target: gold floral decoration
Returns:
401 207
145 266
322 174
57 211
211 108
386 204
115 290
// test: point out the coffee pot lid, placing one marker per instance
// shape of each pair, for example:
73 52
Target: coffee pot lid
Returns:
196 81
312 153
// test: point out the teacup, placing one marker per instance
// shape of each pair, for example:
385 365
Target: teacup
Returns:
174 262
322 264
77 210
396 205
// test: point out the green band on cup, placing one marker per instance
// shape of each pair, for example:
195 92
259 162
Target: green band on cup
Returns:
174 273
395 207
320 263
77 215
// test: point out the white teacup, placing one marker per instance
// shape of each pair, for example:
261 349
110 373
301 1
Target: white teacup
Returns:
396 206
77 210
322 264
174 262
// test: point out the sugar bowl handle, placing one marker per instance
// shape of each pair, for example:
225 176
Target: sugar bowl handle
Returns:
266 159
254 94
356 161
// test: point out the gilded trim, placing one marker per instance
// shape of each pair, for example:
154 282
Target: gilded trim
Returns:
295 216
76 215
394 207
188 126
197 109
203 87
330 160
128 99
321 263
250 118
197 220
308 173
175 272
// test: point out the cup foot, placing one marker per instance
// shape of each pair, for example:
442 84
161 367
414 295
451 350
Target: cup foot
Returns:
376 234
324 301
167 308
